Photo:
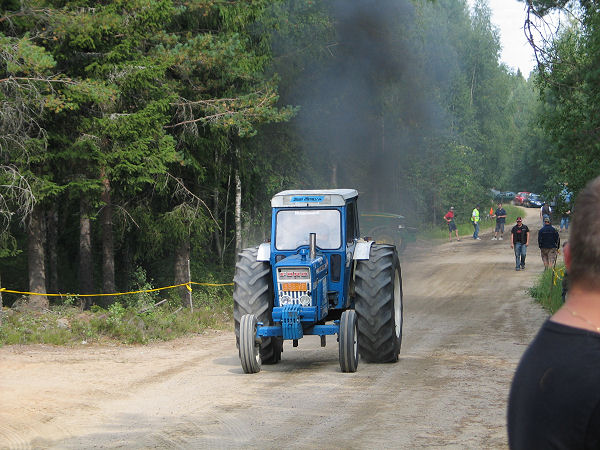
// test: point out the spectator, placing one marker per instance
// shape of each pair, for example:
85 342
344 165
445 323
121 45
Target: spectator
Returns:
564 208
564 220
549 243
500 215
519 241
449 217
475 222
545 210
554 399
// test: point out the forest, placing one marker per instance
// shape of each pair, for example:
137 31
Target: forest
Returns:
142 140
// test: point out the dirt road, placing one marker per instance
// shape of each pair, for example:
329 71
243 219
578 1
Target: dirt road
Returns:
467 319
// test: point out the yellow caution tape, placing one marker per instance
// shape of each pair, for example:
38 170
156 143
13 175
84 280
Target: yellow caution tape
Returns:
187 285
557 274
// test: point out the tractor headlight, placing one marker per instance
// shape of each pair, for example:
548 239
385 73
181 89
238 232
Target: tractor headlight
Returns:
305 300
286 300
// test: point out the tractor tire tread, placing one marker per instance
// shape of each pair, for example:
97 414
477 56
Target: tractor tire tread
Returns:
253 294
374 304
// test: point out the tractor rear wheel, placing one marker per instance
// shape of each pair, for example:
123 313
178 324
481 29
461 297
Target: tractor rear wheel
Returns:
249 344
253 294
348 341
378 304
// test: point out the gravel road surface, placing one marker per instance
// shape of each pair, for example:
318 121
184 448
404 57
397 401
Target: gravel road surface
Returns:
467 320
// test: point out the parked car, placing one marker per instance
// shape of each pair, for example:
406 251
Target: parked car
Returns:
521 198
504 197
534 201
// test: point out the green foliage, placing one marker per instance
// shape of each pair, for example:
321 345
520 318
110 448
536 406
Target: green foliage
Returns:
24 57
166 103
139 300
66 325
548 289
568 80
32 328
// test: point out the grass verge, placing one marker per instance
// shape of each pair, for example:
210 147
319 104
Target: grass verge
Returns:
548 289
134 320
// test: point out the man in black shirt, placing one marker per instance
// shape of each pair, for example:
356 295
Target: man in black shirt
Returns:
554 399
519 240
549 243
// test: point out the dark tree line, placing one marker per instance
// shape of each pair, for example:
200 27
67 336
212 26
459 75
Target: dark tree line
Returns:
138 135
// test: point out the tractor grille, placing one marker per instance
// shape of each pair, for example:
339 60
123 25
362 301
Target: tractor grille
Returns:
293 297
292 286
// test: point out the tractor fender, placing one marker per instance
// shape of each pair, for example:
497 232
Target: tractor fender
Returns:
264 252
362 250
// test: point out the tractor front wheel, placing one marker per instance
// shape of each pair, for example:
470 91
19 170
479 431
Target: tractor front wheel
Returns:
249 344
348 341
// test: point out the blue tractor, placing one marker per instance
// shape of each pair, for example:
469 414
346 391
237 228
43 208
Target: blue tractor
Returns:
316 276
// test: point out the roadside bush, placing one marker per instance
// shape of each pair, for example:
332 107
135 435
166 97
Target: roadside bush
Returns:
548 289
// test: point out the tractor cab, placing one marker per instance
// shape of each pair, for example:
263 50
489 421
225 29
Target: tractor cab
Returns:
331 215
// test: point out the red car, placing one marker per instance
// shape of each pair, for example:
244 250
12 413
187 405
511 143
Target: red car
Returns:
521 198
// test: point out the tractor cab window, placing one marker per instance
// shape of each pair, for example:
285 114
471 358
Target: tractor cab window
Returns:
294 226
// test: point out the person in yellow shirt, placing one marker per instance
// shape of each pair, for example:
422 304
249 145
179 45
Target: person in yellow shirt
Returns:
475 221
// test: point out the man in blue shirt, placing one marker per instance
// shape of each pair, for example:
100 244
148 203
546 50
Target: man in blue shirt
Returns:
500 215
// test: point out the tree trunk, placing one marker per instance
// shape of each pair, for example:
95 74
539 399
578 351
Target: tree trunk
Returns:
86 276
108 256
224 234
216 207
182 258
238 210
35 259
52 235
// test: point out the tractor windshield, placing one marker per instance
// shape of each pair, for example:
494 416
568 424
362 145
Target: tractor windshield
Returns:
294 227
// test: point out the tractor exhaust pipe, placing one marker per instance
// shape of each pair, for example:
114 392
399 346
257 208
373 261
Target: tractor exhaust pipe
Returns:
312 245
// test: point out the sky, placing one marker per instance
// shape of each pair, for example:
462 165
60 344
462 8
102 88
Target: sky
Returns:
509 16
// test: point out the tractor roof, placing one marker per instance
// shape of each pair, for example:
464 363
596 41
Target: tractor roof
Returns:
313 197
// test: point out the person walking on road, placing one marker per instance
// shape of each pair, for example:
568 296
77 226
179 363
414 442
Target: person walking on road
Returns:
564 208
475 221
549 243
554 400
500 215
545 210
449 217
519 241
564 220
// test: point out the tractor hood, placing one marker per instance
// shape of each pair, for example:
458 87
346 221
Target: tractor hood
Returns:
302 259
